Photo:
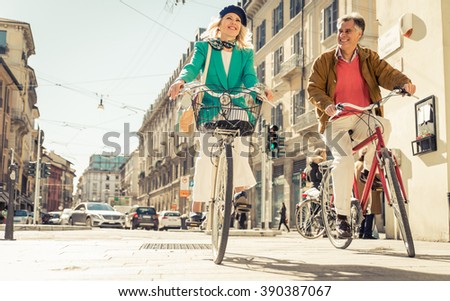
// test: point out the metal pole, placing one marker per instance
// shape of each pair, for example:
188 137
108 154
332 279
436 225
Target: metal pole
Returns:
37 187
263 174
9 227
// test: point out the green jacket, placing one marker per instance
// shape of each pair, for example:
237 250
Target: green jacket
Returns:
375 71
241 73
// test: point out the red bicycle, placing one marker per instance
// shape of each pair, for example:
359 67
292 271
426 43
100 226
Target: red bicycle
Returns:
389 173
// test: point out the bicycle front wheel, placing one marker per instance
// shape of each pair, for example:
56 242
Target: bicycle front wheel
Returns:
221 211
309 219
329 214
398 202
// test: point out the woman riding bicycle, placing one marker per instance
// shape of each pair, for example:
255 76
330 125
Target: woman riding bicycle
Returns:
350 73
231 66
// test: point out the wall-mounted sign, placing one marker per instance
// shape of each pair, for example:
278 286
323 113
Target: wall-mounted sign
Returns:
389 42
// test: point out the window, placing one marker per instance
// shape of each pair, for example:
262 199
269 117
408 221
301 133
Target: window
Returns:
2 42
277 116
329 19
261 35
298 105
295 7
261 72
296 43
278 59
277 18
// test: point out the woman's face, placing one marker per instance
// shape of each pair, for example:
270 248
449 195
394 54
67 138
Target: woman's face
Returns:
230 27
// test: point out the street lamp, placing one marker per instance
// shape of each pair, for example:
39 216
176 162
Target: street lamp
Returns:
100 105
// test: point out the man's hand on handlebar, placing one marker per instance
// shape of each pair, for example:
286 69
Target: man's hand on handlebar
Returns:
409 88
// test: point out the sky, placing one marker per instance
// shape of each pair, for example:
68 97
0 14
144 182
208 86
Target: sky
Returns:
120 52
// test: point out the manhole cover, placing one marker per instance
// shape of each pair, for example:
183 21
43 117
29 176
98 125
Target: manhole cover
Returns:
173 246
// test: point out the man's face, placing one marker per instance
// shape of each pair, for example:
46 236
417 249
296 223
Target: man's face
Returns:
348 36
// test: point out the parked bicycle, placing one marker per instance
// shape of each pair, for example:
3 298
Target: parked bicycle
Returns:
385 163
308 213
237 115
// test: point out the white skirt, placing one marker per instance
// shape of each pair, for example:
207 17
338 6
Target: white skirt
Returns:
203 176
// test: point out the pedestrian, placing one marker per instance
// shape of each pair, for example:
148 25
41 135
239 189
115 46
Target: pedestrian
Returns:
231 65
283 218
242 219
350 73
314 175
3 215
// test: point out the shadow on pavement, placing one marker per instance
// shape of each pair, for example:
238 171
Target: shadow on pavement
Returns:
299 270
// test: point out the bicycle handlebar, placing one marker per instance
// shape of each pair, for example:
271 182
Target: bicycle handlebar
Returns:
397 91
196 87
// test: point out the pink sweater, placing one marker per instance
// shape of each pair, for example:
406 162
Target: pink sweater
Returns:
351 86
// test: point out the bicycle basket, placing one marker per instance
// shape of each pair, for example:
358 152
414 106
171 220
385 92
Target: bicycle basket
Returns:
235 112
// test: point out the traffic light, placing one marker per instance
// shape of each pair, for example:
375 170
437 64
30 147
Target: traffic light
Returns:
303 180
31 169
45 170
272 140
281 146
275 142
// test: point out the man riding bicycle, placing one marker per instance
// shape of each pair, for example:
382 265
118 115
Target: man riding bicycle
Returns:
350 73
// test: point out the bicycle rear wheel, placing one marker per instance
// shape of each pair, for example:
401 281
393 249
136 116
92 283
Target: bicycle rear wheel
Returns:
329 213
221 211
309 219
398 201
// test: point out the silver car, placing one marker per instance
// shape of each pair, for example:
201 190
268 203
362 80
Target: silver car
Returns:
96 214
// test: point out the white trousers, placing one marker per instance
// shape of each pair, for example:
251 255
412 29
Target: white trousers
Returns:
203 176
340 144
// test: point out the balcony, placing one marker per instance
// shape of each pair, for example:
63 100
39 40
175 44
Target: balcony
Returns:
21 120
305 121
290 67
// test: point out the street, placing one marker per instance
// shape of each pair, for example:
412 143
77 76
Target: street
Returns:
112 254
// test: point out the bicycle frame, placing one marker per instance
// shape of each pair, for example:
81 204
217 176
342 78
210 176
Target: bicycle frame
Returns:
375 166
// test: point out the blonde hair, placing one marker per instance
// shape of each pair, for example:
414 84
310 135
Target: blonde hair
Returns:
243 40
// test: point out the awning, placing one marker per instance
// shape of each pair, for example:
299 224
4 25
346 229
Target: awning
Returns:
4 197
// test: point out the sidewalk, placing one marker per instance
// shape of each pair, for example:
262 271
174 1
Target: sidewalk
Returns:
108 254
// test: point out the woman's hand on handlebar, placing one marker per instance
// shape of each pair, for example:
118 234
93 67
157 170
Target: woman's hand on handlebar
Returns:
268 93
175 88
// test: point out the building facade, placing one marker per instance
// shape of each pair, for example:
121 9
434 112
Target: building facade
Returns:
415 39
57 186
18 133
167 156
129 180
100 182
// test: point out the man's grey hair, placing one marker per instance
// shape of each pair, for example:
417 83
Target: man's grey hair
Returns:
356 17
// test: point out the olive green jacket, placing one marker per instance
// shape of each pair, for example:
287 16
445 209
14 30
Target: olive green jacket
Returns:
375 71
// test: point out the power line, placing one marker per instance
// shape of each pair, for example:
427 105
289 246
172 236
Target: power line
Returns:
151 19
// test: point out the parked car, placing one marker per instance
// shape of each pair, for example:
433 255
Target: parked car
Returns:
169 220
65 215
22 217
96 214
142 217
55 218
196 220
